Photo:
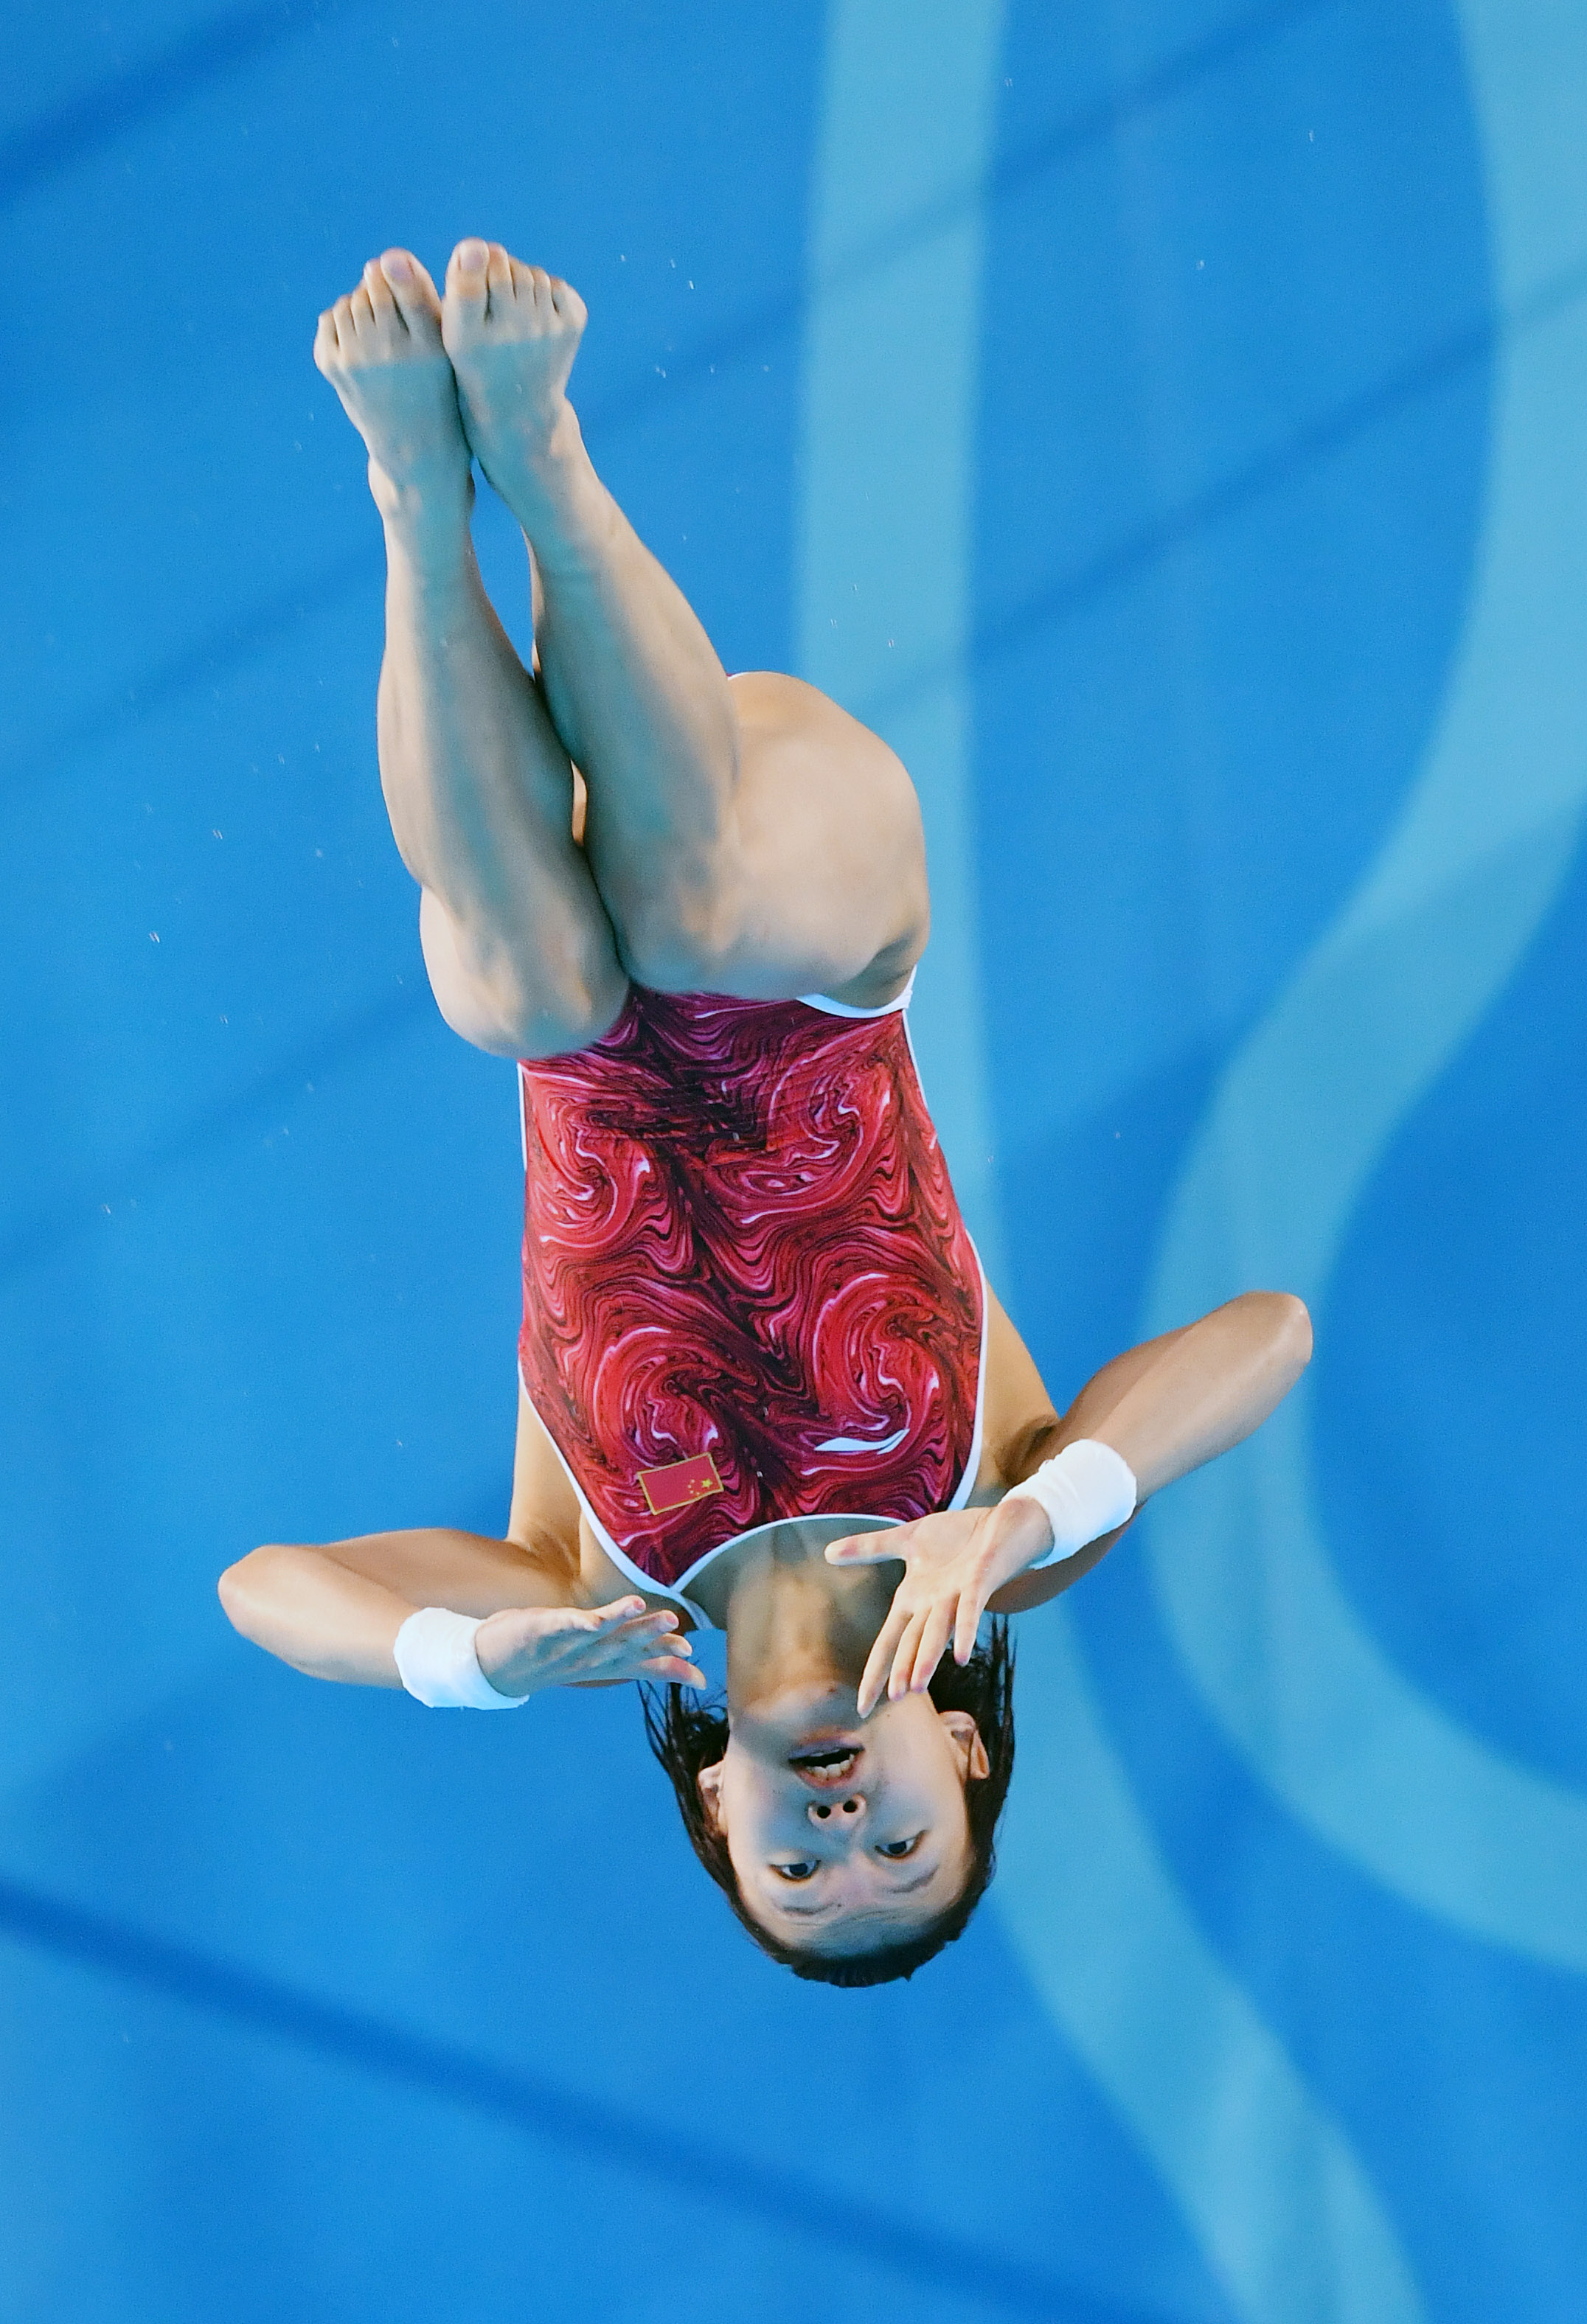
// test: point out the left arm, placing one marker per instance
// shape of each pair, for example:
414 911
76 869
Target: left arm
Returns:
1166 1407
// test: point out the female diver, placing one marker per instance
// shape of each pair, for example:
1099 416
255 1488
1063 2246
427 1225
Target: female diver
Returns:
759 1368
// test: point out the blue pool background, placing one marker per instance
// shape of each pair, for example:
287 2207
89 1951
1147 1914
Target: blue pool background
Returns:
1134 412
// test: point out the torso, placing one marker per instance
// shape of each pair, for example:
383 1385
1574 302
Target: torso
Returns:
1018 1428
749 1294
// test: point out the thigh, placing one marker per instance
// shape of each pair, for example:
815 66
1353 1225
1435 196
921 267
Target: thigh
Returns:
818 884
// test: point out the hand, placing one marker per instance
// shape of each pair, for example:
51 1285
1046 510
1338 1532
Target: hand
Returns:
525 1648
953 1562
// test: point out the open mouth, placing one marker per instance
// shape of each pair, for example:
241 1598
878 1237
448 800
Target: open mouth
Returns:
826 1763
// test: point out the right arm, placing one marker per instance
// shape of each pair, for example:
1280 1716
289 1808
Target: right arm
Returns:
334 1611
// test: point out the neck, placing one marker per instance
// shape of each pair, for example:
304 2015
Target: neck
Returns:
793 1622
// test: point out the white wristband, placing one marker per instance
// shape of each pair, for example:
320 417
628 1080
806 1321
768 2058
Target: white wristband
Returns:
436 1661
1085 1490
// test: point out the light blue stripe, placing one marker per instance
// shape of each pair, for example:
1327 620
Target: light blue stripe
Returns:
884 525
1266 2182
1287 2218
1309 1104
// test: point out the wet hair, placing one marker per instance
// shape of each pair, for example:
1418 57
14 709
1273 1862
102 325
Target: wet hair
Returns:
686 1735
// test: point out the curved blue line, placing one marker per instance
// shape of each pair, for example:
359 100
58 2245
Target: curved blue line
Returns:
1266 2182
1308 1105
1285 2215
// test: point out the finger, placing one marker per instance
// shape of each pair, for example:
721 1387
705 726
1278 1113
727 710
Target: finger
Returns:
647 1618
621 1610
866 1548
933 1640
971 1606
655 1633
903 1662
678 1668
624 1646
639 1654
881 1653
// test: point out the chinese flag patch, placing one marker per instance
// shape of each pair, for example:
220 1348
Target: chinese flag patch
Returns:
679 1484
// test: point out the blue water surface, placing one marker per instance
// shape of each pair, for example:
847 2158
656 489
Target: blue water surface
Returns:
311 2005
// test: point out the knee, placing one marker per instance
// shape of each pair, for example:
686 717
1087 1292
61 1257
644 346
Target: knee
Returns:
557 1001
681 936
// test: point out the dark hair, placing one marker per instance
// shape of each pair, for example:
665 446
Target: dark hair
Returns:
686 1735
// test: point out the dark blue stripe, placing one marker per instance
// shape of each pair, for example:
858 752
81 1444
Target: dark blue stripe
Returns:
262 1100
1307 449
702 2174
83 124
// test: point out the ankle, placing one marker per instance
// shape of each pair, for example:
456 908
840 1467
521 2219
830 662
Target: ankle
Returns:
419 509
427 554
427 535
565 512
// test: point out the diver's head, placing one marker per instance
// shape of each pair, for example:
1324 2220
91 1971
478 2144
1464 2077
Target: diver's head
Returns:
851 1852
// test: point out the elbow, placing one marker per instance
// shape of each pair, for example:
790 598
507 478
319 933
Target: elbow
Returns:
1280 1329
229 1590
238 1591
1297 1330
1291 1325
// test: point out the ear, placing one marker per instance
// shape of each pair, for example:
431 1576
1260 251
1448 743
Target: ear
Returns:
968 1749
709 1783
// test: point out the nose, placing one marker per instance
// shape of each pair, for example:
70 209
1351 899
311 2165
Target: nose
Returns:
830 1811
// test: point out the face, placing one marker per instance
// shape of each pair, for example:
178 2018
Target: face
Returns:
845 1838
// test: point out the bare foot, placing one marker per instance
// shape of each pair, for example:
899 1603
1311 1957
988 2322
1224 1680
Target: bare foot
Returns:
511 332
380 346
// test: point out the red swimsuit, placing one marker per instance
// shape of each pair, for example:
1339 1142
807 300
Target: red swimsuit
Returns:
748 1294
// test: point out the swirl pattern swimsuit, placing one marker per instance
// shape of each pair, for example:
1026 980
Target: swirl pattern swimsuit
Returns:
748 1293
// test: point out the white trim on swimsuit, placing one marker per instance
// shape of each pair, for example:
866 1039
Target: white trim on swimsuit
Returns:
843 1008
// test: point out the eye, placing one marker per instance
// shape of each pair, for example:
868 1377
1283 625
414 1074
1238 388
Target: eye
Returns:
894 1848
801 1870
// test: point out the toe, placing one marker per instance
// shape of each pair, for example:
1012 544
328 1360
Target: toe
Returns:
566 304
378 292
501 273
410 285
531 285
360 310
466 274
